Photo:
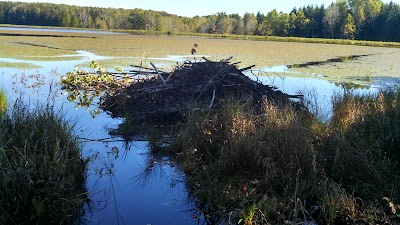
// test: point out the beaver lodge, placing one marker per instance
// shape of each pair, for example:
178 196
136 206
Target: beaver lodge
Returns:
161 98
157 98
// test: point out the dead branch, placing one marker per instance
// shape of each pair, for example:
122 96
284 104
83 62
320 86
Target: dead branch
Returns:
212 100
159 74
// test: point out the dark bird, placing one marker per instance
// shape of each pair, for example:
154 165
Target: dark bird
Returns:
193 51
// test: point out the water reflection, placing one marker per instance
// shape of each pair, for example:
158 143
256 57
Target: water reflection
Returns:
119 191
137 189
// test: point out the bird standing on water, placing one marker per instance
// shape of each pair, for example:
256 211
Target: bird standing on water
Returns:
193 51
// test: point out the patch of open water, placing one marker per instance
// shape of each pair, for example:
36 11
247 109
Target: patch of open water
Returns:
124 188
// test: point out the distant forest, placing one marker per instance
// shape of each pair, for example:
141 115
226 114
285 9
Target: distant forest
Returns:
352 19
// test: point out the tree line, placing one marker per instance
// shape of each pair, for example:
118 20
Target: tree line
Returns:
348 19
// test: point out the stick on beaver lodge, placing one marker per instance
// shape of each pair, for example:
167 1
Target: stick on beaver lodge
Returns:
202 84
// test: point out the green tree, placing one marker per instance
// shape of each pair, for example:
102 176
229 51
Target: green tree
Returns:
372 9
301 23
283 25
357 8
83 15
332 19
250 23
271 23
100 23
349 27
292 24
66 19
137 19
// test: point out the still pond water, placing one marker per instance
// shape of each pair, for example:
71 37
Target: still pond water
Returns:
126 184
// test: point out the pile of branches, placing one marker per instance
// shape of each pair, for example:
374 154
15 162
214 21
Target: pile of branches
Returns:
167 98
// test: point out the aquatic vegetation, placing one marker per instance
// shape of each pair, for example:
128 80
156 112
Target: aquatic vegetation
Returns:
43 172
18 65
84 86
127 49
85 78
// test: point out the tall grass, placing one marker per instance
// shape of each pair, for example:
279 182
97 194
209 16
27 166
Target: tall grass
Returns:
279 164
42 178
362 151
247 153
3 100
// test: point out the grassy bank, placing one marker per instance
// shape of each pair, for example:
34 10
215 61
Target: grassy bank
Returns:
42 179
267 38
280 165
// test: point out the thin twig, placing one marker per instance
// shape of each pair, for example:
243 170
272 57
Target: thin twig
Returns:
212 100
223 70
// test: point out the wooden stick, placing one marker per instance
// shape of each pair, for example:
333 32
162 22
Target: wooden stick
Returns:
222 71
227 60
159 74
247 68
212 100
141 67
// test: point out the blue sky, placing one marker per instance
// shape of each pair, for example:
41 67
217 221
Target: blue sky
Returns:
192 8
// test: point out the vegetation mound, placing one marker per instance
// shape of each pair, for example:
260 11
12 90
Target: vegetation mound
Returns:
168 97
42 179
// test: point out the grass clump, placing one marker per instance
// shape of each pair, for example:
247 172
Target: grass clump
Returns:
277 164
3 100
42 179
363 150
240 154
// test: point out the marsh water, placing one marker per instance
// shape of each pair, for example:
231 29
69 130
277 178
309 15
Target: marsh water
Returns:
127 184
